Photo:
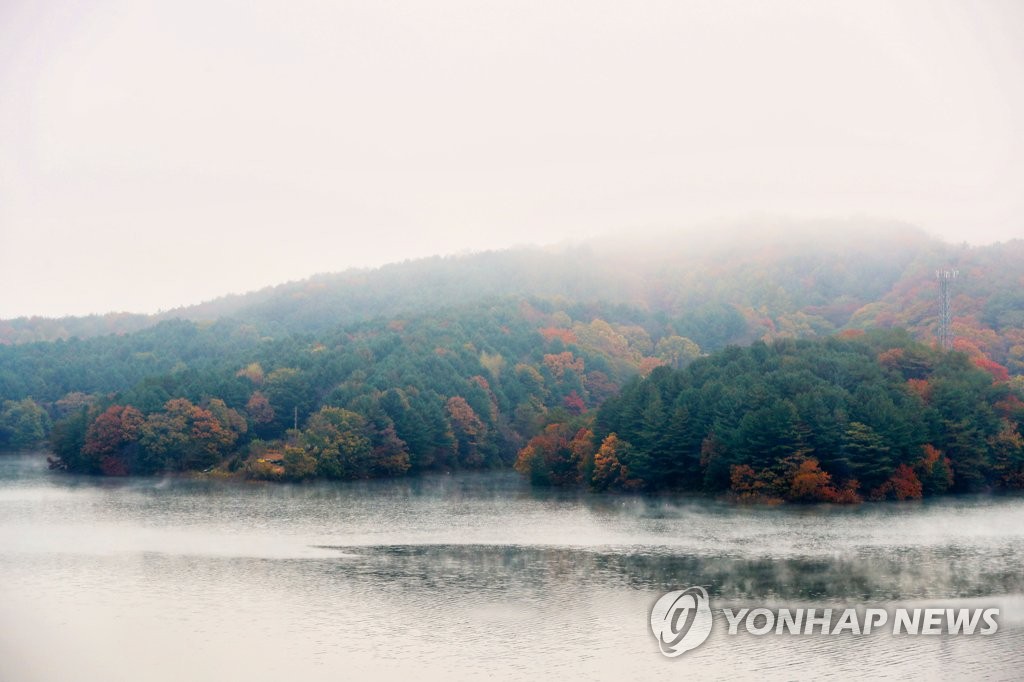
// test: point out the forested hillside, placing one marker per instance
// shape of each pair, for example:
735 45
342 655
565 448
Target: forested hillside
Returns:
460 361
719 286
833 420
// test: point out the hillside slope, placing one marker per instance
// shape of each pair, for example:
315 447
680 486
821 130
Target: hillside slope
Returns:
460 361
784 269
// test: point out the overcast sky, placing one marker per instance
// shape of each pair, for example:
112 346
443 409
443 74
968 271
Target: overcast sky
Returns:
154 154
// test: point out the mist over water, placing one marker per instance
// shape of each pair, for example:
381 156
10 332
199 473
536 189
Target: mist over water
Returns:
463 575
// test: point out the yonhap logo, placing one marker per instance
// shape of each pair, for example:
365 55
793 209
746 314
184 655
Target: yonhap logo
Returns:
681 620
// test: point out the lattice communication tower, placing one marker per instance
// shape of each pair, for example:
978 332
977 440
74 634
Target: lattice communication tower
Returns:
945 277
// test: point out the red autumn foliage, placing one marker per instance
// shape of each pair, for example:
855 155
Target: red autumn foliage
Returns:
748 486
1009 406
558 451
566 336
209 434
610 469
259 409
599 386
463 416
846 495
891 358
963 345
117 427
902 485
812 484
648 364
934 470
574 403
998 372
797 480
486 386
921 387
560 363
468 428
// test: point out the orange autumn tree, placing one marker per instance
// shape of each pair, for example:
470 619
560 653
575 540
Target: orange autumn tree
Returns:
920 388
566 336
810 483
469 430
561 363
559 455
185 436
747 485
259 410
795 479
111 439
573 403
611 469
934 470
998 372
902 485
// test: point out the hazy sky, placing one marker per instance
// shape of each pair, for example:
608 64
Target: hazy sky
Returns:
154 154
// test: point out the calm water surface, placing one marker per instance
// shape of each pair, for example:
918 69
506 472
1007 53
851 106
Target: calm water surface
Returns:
469 576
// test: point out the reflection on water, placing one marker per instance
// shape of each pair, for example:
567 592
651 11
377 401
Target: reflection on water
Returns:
870 576
468 575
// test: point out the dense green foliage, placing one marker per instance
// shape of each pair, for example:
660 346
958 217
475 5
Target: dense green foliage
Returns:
23 424
464 388
832 420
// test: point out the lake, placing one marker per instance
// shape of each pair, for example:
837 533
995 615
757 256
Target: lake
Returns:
473 575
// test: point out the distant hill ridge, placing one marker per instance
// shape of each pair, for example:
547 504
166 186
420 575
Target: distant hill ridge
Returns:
785 278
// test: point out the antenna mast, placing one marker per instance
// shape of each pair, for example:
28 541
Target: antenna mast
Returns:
945 318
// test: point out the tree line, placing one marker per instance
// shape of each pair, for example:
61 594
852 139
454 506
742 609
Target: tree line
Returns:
537 381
